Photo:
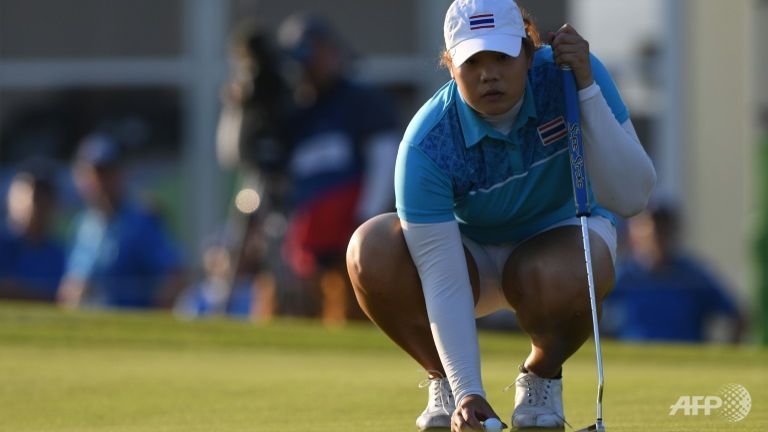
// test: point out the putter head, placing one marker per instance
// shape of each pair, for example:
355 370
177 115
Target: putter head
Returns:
597 427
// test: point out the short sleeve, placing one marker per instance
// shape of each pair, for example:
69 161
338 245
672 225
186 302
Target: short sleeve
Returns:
423 192
85 248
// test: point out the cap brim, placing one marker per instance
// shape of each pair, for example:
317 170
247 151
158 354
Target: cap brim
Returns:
506 44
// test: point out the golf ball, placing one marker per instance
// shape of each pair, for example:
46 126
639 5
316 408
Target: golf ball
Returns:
492 425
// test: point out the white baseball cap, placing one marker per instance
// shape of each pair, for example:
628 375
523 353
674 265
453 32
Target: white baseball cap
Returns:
472 26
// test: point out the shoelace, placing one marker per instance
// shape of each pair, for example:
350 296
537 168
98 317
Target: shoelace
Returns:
443 393
537 392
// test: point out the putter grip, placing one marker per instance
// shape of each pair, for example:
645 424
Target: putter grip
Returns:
575 146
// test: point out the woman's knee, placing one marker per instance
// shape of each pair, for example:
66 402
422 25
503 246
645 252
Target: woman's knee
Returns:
377 253
378 259
546 277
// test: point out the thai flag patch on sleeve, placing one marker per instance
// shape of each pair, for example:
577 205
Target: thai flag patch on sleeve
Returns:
552 131
482 21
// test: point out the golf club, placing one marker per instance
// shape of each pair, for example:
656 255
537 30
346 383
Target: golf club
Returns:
580 193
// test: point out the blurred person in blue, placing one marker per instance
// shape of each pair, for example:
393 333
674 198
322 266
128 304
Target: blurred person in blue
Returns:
486 218
31 257
122 256
344 141
663 293
237 281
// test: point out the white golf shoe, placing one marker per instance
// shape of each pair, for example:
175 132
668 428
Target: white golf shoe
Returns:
440 406
538 402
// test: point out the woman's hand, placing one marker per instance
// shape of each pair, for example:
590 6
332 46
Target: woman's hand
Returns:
471 411
570 49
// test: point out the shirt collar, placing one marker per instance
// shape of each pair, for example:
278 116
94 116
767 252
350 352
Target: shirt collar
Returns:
475 128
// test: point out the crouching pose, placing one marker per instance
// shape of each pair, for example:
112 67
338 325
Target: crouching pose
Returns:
485 214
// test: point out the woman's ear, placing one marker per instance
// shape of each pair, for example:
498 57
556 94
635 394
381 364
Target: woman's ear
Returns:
446 62
529 50
449 66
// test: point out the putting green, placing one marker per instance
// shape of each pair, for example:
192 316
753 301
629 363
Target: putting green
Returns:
87 371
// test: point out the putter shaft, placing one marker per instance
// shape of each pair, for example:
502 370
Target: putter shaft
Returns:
595 325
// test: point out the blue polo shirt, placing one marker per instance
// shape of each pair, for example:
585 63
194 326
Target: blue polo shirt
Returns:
671 303
36 266
452 165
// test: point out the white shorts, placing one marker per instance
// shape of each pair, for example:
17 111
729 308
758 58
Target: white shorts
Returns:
490 260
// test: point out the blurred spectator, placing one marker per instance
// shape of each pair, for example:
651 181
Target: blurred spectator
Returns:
256 103
661 293
236 282
344 144
252 144
31 259
122 255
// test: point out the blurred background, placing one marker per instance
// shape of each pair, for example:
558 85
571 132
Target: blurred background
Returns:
154 80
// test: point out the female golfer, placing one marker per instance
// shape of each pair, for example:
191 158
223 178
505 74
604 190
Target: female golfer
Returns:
485 214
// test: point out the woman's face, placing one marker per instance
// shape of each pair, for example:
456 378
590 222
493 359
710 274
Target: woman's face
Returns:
492 82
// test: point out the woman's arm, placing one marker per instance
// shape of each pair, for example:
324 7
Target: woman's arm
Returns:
438 253
621 173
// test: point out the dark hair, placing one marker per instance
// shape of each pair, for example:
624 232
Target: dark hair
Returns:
666 218
39 173
531 43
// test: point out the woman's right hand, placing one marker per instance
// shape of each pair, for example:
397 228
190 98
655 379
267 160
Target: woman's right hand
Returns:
470 412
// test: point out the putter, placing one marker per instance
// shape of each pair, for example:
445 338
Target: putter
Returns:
579 179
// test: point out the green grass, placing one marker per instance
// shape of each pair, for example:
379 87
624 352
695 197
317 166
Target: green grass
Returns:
86 371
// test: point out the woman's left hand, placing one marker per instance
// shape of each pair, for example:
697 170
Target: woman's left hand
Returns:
570 49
